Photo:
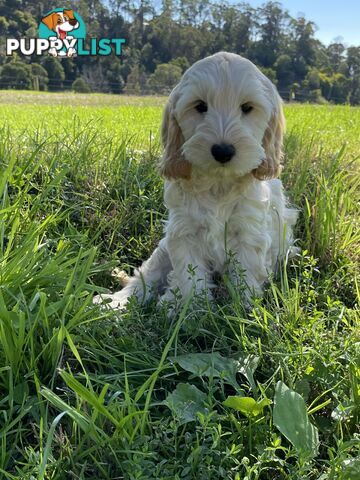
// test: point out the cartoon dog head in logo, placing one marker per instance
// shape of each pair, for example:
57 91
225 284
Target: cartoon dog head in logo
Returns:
61 22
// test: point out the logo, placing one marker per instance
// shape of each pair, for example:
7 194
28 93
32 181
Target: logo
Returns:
62 33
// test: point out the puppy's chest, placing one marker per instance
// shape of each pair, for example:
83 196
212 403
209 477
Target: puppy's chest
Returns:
225 219
217 221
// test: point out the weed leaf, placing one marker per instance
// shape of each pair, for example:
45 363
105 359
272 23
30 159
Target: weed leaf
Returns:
211 365
291 418
246 405
185 402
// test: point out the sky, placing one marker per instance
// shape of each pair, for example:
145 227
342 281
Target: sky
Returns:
333 18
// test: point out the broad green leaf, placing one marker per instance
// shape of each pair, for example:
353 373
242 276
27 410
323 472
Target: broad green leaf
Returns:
185 402
247 405
209 365
214 365
292 420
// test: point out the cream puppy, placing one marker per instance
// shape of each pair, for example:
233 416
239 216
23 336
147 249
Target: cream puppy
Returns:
222 133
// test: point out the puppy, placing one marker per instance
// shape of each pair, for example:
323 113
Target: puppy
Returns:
62 23
222 133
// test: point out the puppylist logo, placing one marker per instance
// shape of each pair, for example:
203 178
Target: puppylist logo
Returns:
62 33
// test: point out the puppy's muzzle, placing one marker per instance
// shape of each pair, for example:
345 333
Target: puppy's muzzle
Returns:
223 152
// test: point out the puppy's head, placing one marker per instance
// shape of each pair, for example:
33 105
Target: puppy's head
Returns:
61 22
223 118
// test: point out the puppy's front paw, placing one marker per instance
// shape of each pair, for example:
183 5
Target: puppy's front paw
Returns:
117 301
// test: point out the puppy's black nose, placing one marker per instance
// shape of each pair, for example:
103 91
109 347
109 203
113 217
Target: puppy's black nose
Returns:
223 152
73 21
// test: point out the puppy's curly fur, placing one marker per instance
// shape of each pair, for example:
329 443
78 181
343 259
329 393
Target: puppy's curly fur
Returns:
223 205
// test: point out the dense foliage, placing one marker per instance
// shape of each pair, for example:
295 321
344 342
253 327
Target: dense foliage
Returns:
163 39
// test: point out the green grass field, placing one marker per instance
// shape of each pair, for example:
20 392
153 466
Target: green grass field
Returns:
219 392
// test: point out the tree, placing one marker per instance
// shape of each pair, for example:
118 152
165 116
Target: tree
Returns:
325 85
96 78
112 66
139 10
353 65
193 13
270 73
336 56
55 72
353 61
21 23
133 81
272 22
313 79
147 55
181 62
303 39
341 88
16 75
302 46
4 25
284 71
165 77
355 91
80 85
39 75
234 27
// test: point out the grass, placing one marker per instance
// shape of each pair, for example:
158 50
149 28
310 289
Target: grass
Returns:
219 392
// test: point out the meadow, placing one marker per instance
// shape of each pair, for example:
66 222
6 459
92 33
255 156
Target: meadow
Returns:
217 392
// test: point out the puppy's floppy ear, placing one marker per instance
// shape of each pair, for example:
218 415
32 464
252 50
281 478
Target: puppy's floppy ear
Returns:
172 164
272 143
70 14
50 20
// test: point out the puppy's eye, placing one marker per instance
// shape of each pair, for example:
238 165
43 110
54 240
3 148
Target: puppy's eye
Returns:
59 20
201 107
246 107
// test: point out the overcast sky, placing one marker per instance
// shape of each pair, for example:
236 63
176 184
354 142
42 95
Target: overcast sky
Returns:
333 18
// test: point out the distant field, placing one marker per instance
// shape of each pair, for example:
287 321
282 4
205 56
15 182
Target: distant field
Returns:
85 393
119 115
30 97
111 115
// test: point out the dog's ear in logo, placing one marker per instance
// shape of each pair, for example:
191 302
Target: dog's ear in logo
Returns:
71 17
51 20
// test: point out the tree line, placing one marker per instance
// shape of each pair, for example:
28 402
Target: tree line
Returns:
163 39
